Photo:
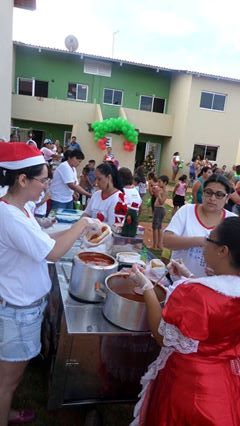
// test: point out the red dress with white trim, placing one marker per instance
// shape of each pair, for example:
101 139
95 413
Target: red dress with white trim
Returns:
195 381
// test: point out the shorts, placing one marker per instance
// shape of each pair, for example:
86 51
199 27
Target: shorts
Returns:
178 200
158 215
153 199
20 332
192 175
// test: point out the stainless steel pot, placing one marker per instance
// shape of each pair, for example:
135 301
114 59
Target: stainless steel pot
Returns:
88 269
123 307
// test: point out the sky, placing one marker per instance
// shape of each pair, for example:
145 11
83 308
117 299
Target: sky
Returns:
194 35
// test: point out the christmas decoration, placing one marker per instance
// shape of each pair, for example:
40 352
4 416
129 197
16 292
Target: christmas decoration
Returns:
115 125
102 143
149 163
128 146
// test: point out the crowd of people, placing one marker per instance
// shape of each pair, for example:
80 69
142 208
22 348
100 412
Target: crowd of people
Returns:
198 326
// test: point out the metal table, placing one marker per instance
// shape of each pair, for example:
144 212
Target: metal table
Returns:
92 360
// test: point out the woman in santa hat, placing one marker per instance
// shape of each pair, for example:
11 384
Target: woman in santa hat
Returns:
24 278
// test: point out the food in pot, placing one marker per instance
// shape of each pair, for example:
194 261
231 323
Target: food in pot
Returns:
97 259
95 239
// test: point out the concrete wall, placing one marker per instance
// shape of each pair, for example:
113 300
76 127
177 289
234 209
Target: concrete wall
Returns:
178 109
194 125
59 69
150 122
6 12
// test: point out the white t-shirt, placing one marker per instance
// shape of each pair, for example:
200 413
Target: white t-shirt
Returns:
132 196
103 209
24 247
186 223
59 189
41 210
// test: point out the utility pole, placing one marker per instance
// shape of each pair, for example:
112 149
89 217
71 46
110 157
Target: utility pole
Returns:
113 41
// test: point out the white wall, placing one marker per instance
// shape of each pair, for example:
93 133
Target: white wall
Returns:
6 14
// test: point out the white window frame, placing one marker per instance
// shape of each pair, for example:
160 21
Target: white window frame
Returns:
28 79
113 90
206 147
65 137
213 93
153 97
79 100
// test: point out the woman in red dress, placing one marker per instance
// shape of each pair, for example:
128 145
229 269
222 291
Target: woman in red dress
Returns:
195 381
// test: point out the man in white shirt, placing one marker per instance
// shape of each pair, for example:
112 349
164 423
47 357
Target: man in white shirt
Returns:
65 182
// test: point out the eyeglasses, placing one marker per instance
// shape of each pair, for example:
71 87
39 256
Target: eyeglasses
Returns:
218 194
43 181
210 240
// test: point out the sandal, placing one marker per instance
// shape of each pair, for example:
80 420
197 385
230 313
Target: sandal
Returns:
22 416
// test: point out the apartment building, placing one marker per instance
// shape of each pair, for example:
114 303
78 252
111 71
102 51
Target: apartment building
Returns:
58 92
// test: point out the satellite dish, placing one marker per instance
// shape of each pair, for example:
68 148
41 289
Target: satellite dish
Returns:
71 43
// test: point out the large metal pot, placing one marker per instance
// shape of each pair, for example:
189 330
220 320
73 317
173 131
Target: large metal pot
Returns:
123 307
88 269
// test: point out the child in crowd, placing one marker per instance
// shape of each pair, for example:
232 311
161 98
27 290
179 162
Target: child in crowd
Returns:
160 192
179 193
85 184
91 173
142 187
152 181
136 181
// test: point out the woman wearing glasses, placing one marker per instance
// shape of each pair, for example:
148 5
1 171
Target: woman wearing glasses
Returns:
24 278
193 222
196 378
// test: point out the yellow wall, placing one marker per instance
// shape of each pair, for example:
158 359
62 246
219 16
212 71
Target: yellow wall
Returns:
194 125
215 127
150 122
178 109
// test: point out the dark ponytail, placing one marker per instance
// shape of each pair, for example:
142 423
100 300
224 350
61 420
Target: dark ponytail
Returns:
228 233
107 168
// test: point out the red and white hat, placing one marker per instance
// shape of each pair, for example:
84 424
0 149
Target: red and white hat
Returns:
18 155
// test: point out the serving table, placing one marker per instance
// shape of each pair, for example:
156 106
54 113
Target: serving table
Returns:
92 360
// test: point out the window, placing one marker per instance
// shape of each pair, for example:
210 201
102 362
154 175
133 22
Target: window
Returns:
214 101
97 68
77 91
206 151
67 137
32 87
152 104
112 96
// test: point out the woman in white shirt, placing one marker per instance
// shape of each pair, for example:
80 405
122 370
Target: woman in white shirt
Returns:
107 203
192 223
65 181
24 278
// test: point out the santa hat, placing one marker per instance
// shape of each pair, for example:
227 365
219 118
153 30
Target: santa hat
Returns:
18 155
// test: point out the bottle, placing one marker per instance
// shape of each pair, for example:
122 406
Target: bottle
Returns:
77 205
144 254
129 228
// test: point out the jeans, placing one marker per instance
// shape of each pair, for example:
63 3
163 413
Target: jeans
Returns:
59 205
